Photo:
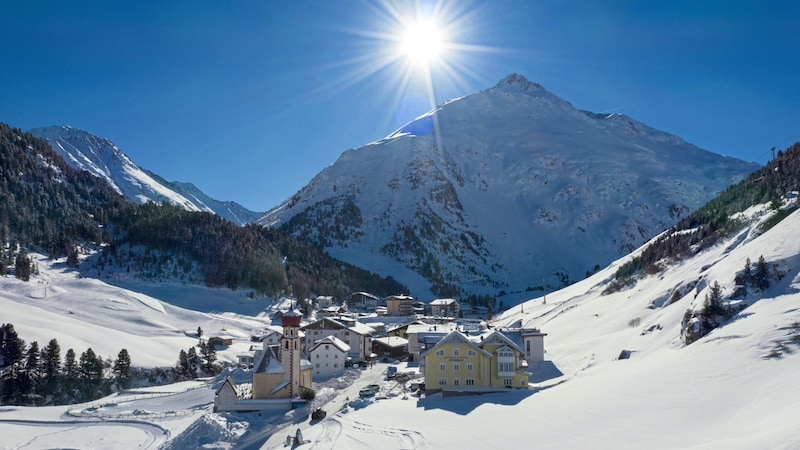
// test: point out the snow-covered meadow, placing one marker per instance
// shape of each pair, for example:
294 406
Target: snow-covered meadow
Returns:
735 388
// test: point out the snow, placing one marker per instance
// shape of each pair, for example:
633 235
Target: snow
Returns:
568 190
736 388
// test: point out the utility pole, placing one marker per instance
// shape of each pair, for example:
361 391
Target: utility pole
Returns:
544 288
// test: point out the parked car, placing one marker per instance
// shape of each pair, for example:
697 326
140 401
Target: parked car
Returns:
369 391
318 414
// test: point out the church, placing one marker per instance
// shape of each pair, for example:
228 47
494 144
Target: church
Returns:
281 375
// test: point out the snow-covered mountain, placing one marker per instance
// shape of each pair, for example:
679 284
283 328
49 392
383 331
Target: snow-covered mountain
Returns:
102 158
503 190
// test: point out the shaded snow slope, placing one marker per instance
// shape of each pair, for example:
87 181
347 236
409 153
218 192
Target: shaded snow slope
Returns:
102 158
84 312
502 190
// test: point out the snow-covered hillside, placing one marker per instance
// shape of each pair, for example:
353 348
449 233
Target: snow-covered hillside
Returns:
154 322
503 190
735 388
102 158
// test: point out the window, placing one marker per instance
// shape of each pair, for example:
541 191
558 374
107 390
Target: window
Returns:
456 366
455 381
317 355
469 367
335 364
505 354
440 352
506 381
336 356
505 367
318 365
442 367
456 351
470 382
442 381
471 353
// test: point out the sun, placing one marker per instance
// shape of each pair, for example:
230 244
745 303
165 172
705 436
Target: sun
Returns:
422 42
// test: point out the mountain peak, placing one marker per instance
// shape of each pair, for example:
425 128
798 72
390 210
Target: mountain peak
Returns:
517 82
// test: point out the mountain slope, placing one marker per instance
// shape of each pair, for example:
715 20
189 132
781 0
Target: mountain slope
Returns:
102 158
503 190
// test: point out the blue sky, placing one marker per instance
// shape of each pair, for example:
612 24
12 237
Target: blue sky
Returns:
250 99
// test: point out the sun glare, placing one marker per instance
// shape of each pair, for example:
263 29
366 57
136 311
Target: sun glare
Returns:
422 42
414 48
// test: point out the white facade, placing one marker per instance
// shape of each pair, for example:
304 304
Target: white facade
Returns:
445 307
328 356
355 334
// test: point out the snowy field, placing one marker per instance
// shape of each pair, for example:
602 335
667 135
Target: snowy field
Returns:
736 388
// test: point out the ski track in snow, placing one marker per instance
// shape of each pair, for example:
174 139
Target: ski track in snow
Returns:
155 435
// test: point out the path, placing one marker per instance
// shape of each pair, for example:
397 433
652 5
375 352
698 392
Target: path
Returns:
372 375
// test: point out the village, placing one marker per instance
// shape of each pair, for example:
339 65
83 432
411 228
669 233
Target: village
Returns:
437 347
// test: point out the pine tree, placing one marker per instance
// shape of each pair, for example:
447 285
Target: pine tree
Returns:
12 348
22 265
51 367
209 354
70 373
713 304
33 360
90 374
29 375
183 364
122 369
762 273
748 269
12 392
72 257
191 358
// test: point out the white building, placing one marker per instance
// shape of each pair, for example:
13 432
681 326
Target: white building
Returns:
327 356
325 301
353 333
445 307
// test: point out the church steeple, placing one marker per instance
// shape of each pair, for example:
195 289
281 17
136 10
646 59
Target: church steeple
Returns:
290 349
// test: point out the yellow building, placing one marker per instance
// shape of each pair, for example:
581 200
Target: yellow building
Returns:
477 363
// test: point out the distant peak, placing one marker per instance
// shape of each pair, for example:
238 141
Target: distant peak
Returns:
516 81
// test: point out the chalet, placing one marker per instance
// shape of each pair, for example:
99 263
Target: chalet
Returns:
269 336
324 301
402 330
246 360
399 305
444 307
362 300
393 347
331 311
353 333
328 356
